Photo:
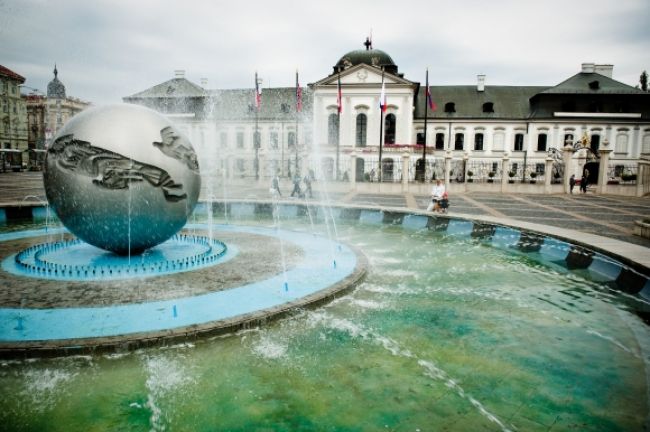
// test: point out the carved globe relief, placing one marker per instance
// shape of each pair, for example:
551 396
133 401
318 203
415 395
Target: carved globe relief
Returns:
121 177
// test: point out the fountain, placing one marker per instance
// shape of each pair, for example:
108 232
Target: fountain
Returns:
458 324
123 181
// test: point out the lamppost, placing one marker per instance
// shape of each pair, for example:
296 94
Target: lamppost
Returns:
256 138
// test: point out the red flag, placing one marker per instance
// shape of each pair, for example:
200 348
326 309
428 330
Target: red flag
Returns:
258 93
339 96
298 95
432 104
382 97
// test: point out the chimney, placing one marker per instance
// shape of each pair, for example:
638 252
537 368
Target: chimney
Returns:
480 85
604 69
588 67
179 73
204 82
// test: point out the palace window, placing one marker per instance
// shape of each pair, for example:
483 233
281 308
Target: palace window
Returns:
333 129
389 126
541 142
519 142
621 143
459 142
450 107
645 148
419 138
568 138
223 138
488 107
291 139
478 142
498 141
595 142
362 125
240 139
440 141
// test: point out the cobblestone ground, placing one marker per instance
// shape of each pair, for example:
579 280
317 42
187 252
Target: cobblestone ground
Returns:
606 215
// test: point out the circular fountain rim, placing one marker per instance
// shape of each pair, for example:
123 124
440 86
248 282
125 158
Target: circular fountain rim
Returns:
350 271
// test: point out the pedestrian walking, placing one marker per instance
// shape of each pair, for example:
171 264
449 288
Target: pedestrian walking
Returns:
275 186
307 181
296 186
584 180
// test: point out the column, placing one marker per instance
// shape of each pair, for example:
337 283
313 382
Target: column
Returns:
642 177
505 170
548 174
465 159
448 157
603 167
567 157
353 171
405 171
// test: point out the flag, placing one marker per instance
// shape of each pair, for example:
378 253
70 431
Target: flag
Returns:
382 97
258 93
298 95
432 105
339 96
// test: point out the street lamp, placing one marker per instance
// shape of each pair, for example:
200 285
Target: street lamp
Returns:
257 139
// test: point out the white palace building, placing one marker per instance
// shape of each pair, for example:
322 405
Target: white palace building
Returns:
477 137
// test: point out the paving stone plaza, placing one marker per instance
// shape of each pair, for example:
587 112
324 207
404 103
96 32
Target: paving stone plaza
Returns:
606 215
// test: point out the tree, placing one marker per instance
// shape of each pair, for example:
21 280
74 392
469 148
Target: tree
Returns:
643 80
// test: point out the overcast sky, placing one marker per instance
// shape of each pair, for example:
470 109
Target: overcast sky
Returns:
107 49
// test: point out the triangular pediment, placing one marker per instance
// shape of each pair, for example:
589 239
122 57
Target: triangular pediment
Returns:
362 74
177 87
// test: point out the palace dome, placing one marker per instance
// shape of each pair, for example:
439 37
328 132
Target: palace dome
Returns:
369 56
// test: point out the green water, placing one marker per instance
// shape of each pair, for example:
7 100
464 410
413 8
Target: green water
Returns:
443 335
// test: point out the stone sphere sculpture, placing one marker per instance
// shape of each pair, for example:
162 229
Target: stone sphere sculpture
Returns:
121 177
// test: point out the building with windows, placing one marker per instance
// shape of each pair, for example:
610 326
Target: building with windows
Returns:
13 120
474 133
46 114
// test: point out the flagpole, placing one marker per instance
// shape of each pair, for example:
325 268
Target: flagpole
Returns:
298 109
338 134
426 112
256 137
381 125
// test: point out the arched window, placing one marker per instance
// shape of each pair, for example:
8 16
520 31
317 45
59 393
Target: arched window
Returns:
389 129
595 143
291 139
362 126
333 129
460 141
499 140
440 141
519 142
645 148
621 143
478 141
541 142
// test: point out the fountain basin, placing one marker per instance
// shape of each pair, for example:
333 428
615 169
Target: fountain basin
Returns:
458 323
214 305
